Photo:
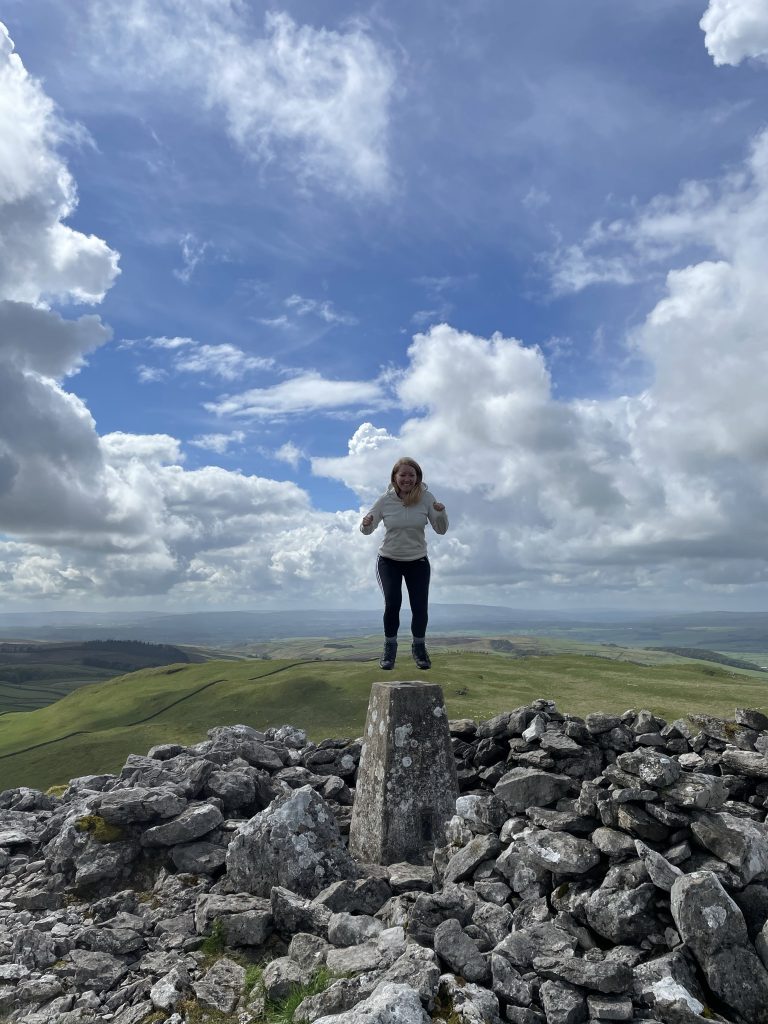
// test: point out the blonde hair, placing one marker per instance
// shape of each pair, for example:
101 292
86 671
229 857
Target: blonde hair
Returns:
414 497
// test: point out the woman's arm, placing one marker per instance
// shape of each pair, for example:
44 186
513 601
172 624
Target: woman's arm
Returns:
436 514
371 519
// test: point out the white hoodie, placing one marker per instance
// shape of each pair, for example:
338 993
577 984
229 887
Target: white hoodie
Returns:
404 540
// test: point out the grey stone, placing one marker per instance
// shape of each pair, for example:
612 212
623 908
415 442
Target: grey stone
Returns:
294 843
245 920
292 913
713 927
483 812
98 971
462 864
281 976
389 1004
355 896
429 910
494 921
461 954
598 722
524 872
139 804
623 915
340 996
309 951
662 873
526 787
405 877
522 947
196 821
694 790
562 1003
741 843
614 844
508 983
418 968
562 853
221 986
655 769
598 975
203 858
610 1007
170 989
638 822
407 784
467 1002
751 718
352 929
353 959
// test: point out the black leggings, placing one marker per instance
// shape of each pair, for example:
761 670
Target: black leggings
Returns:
390 574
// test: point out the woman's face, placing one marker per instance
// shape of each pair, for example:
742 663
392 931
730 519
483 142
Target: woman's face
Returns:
405 479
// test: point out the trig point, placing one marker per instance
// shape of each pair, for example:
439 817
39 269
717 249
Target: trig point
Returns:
406 784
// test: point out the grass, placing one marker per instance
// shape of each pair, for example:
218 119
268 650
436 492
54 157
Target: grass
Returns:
94 728
284 1012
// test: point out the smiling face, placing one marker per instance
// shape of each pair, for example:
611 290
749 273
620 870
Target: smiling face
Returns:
406 479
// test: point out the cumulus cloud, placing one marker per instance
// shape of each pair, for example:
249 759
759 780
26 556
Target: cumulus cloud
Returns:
41 257
735 30
662 490
315 99
306 393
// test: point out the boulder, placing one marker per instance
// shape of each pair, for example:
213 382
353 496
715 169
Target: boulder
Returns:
294 843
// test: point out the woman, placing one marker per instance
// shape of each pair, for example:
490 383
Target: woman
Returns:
405 509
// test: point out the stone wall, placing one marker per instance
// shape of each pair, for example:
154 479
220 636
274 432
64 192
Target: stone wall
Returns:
607 868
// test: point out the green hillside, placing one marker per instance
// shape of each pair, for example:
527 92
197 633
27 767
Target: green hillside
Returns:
93 729
35 673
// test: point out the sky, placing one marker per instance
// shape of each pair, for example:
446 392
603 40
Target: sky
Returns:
250 255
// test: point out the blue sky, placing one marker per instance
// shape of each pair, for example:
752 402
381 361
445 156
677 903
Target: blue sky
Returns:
250 255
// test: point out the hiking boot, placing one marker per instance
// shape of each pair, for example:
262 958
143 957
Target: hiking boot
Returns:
420 656
387 660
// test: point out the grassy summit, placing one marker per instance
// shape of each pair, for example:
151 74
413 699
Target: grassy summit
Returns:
93 729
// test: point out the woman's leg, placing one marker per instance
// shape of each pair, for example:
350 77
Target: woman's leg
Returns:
389 573
417 576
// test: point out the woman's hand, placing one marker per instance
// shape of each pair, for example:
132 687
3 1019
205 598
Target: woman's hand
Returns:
367 520
438 506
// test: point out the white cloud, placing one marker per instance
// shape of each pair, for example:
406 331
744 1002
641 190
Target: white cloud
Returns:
225 361
219 443
192 253
40 256
315 99
151 374
169 343
306 393
290 453
735 30
324 310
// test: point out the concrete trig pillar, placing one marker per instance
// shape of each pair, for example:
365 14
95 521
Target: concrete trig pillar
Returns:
406 784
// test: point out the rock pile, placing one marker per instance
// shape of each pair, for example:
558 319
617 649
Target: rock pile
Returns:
613 868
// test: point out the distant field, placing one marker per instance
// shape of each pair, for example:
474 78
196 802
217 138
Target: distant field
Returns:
95 727
34 674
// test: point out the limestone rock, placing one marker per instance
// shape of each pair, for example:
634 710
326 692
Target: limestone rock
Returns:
713 927
294 843
389 1004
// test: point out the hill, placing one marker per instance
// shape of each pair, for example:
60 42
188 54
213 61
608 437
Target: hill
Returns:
94 728
34 673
